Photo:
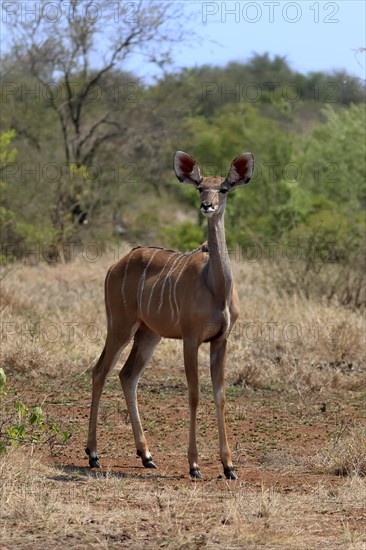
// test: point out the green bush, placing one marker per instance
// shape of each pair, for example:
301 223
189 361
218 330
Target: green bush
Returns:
184 237
24 425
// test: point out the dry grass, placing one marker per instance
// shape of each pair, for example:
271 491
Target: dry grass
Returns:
58 313
53 327
43 506
55 313
346 455
291 341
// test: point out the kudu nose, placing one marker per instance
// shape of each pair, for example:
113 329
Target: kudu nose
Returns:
206 205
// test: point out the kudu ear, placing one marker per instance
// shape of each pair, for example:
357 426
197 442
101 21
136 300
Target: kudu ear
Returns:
240 172
187 169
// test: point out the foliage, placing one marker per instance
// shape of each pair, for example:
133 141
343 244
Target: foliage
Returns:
7 216
331 228
24 425
69 185
184 237
6 154
336 151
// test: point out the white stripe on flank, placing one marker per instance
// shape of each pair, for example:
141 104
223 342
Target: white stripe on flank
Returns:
169 276
165 280
140 290
157 280
125 277
177 279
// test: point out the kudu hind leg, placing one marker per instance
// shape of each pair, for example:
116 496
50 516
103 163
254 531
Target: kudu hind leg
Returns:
144 344
116 341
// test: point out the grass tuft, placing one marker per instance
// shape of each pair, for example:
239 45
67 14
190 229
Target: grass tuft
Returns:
347 455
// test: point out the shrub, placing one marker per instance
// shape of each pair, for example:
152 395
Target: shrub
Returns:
185 236
24 425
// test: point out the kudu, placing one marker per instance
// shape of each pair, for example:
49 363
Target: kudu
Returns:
153 293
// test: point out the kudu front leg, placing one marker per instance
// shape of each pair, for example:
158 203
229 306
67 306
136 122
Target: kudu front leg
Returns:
217 367
190 350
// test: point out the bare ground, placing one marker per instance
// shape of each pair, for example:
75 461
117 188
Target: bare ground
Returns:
292 398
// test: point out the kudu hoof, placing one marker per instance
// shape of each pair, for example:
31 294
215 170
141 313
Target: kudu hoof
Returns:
146 462
93 460
230 474
149 464
195 473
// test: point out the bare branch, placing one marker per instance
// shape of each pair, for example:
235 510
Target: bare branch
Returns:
61 50
88 158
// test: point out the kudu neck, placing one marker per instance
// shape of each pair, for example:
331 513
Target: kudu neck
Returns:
219 265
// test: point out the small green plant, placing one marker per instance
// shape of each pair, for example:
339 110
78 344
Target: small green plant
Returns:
23 425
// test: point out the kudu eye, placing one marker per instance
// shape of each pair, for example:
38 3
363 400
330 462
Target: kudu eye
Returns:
223 190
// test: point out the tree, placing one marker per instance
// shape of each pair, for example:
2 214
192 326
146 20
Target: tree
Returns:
58 45
334 156
60 48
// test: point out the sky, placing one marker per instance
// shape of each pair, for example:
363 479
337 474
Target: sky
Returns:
311 35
